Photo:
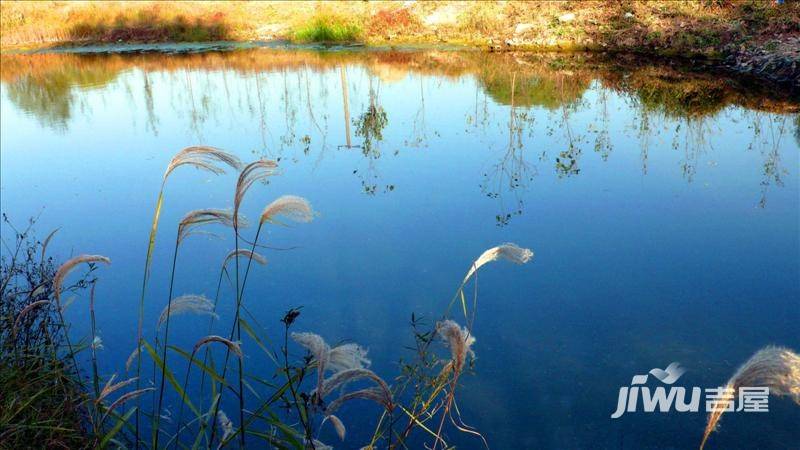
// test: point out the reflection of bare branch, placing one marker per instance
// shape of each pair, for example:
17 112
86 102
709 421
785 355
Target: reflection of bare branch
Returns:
694 143
512 172
418 130
769 147
602 144
152 120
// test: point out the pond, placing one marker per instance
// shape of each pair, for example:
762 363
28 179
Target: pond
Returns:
661 203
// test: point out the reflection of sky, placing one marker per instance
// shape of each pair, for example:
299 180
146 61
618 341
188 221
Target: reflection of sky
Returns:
632 271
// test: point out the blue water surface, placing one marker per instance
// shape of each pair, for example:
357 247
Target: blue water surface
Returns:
660 234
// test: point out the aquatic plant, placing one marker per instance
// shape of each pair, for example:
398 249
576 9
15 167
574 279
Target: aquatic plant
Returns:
200 157
292 207
337 367
69 266
196 304
509 252
458 339
777 368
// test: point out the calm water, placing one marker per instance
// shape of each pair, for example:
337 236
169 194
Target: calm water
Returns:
663 208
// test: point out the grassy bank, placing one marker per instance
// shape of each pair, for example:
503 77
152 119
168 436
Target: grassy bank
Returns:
710 28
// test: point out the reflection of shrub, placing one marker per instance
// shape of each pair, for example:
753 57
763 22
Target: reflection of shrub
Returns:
370 126
328 29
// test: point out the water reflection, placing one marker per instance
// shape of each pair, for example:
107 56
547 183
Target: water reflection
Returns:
288 95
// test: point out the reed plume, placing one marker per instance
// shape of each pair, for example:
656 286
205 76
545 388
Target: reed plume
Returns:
124 398
319 349
24 312
510 252
376 395
234 347
110 388
244 253
134 354
197 304
337 425
348 376
775 367
292 207
202 157
255 171
199 217
46 242
458 339
225 425
342 357
68 266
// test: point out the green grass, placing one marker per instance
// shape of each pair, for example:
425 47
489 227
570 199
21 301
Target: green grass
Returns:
328 29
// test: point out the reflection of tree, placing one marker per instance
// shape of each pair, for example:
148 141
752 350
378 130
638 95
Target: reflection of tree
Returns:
602 143
50 96
768 143
419 135
567 161
693 132
152 120
512 173
369 126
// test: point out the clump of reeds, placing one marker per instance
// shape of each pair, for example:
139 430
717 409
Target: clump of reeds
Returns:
777 368
199 157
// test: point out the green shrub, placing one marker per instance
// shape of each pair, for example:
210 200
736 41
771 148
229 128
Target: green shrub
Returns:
328 29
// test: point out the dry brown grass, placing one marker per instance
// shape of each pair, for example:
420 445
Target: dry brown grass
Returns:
699 26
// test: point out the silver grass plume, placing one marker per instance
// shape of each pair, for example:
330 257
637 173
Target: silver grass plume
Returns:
509 252
342 357
319 349
458 339
255 171
202 157
124 398
243 253
234 347
197 304
68 266
208 216
348 376
775 367
376 395
132 357
292 207
348 356
110 387
338 425
25 312
224 424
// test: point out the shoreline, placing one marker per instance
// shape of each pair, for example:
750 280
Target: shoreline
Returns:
755 65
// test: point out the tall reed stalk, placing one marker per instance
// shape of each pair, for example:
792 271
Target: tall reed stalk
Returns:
200 157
